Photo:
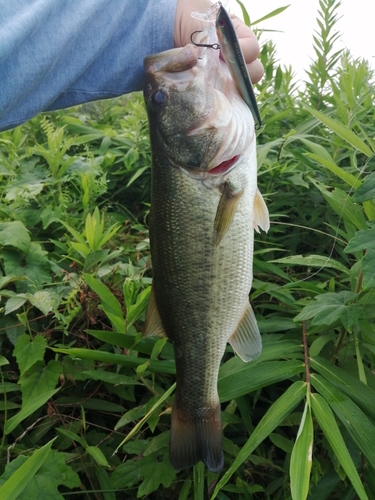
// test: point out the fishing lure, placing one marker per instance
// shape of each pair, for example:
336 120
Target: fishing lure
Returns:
232 53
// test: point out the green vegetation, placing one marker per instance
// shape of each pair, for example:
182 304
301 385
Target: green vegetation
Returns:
85 401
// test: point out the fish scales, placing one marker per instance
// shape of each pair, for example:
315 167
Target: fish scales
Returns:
201 282
201 292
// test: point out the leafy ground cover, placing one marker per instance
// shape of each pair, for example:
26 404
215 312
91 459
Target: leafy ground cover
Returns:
85 404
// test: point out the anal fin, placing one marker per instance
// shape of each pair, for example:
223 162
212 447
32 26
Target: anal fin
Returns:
225 210
261 215
153 324
246 340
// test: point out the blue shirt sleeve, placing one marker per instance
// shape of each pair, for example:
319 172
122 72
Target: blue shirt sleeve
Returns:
59 53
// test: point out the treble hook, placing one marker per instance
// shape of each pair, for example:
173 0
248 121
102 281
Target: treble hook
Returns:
214 46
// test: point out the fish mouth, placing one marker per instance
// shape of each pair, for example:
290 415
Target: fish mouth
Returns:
225 166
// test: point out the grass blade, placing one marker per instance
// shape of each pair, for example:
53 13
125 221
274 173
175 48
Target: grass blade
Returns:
254 377
120 359
301 458
273 418
18 481
341 130
362 394
328 424
28 409
137 427
360 428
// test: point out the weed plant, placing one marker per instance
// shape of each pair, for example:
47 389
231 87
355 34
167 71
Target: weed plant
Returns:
85 401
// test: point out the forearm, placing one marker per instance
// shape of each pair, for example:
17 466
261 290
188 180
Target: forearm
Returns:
55 54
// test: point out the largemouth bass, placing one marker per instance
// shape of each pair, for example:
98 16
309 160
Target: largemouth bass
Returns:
205 206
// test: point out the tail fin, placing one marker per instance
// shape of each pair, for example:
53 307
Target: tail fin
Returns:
195 438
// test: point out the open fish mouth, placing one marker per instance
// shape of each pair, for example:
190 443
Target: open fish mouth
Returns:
225 166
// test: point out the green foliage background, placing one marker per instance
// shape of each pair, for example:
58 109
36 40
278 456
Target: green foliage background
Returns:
85 405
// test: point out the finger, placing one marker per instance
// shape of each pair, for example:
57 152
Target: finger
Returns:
256 71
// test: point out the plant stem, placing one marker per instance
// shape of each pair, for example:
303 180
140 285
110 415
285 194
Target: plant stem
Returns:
306 351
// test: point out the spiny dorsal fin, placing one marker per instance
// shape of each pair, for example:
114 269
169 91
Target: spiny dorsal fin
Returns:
225 210
153 324
246 340
261 215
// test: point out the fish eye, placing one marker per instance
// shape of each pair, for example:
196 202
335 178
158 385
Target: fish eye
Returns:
159 99
221 23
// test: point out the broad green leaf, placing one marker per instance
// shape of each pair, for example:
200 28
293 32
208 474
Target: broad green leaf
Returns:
341 130
362 394
360 428
120 359
97 455
275 415
150 470
44 300
368 268
28 409
20 479
110 304
53 473
301 458
5 280
324 416
35 268
39 379
15 302
253 377
15 234
366 191
312 261
28 351
363 240
329 308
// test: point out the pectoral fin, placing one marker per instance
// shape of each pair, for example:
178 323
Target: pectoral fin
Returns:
153 324
225 210
246 340
261 215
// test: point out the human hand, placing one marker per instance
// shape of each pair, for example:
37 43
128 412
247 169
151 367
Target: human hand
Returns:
184 26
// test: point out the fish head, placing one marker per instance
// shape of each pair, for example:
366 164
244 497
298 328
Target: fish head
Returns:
192 107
